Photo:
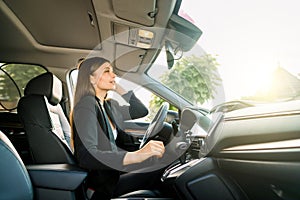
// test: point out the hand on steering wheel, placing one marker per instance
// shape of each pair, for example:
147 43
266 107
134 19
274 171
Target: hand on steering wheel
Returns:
156 124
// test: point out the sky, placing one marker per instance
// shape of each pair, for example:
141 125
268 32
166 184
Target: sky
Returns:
249 38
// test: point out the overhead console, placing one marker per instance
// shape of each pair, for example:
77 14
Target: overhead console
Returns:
144 26
144 38
180 35
179 32
132 42
137 35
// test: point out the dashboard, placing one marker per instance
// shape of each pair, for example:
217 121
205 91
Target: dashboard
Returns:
195 127
251 153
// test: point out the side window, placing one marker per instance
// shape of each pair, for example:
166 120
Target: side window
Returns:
71 83
147 97
13 79
140 92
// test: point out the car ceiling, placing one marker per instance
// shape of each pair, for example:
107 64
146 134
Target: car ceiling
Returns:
58 33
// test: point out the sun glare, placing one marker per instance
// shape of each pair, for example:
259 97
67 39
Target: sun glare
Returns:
258 80
248 81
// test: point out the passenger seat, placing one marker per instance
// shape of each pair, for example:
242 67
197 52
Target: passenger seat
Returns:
44 121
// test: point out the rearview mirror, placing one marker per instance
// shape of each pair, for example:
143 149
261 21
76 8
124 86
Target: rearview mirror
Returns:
170 59
182 32
172 53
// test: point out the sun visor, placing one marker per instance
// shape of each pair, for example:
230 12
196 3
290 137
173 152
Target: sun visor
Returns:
143 13
128 59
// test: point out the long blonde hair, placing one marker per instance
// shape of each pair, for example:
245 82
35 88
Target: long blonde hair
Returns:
84 86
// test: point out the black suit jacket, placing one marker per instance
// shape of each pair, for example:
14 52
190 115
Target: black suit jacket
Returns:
91 144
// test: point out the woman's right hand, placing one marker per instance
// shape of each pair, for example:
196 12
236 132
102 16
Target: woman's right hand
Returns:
119 89
152 148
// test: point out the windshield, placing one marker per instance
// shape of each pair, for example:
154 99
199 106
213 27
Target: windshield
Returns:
248 52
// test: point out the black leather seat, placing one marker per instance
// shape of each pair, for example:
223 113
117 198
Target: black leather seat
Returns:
45 124
37 181
13 173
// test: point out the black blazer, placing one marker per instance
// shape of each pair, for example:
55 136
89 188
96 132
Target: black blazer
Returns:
91 144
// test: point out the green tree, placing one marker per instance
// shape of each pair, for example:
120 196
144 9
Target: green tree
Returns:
13 79
194 78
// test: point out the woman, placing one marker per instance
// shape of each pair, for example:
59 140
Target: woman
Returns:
97 136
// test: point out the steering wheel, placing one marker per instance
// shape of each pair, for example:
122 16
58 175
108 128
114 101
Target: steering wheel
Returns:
156 124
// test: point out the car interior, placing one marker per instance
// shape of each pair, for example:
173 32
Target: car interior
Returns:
244 152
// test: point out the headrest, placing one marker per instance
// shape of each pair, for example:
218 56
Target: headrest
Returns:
46 84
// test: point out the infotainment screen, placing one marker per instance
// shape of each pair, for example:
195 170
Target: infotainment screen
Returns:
206 123
215 118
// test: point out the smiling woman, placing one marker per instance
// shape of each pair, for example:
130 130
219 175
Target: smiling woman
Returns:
225 72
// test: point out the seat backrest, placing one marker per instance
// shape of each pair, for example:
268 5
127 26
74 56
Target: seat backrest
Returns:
47 128
15 182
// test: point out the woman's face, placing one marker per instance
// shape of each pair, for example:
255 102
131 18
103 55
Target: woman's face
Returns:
103 79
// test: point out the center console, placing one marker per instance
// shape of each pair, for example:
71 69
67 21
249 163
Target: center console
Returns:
176 170
198 179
